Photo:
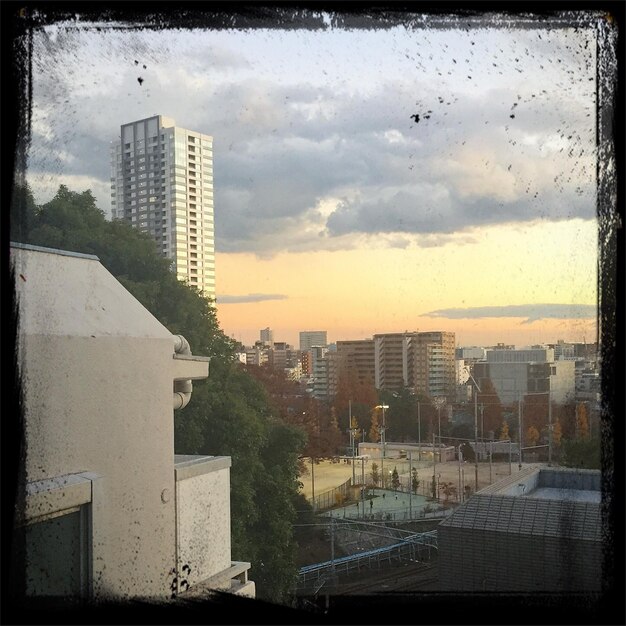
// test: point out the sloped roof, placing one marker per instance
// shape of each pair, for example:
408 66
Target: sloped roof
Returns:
69 294
528 516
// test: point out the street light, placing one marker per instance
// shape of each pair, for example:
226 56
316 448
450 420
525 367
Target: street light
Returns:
419 432
382 439
476 392
439 402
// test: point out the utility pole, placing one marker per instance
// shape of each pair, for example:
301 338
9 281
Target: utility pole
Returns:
313 483
490 462
476 391
460 483
352 437
382 441
482 421
410 486
519 426
549 427
475 436
332 544
419 432
434 464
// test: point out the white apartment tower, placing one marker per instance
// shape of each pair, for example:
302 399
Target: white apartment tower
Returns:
162 184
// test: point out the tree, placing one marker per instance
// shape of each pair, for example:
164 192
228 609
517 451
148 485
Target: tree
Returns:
448 490
23 212
374 473
504 431
354 396
492 407
532 436
402 414
583 453
582 421
433 487
395 479
415 482
374 434
468 452
557 433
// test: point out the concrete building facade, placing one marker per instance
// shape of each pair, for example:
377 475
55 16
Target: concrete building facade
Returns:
311 338
108 510
266 336
434 364
393 363
162 184
516 373
359 357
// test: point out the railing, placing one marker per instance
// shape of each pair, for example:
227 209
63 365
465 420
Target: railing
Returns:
411 547
333 497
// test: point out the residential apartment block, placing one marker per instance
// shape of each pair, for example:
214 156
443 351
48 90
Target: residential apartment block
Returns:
393 363
162 184
357 356
421 361
434 366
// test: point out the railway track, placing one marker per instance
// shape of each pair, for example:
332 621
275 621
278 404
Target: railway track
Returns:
407 578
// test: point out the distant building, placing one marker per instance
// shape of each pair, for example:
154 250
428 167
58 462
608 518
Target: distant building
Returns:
470 354
393 360
539 530
516 373
162 184
434 364
358 357
310 338
257 355
325 376
109 511
267 337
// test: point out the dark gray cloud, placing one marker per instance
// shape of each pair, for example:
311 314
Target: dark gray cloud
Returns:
251 297
505 134
533 312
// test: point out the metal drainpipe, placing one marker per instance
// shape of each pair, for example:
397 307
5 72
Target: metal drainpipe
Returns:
182 388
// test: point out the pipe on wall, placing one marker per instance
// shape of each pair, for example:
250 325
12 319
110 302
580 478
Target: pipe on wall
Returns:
182 388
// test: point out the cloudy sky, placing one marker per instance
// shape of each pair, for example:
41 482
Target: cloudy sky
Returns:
366 180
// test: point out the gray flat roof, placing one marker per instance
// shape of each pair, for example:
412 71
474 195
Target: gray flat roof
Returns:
572 495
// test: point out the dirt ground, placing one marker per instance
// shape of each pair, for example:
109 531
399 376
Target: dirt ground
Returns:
326 474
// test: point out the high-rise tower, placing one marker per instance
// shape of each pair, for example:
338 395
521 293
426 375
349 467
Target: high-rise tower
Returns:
162 184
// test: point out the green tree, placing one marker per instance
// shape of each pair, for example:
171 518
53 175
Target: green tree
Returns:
374 473
583 453
415 481
23 212
395 479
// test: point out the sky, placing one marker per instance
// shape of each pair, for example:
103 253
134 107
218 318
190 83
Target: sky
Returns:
366 180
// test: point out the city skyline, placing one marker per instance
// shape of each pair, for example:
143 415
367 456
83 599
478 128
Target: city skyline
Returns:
366 181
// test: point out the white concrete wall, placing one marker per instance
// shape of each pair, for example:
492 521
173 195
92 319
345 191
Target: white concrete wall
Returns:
97 378
563 384
203 504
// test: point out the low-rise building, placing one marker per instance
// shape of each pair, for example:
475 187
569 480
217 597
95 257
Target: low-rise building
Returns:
108 511
537 530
